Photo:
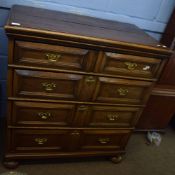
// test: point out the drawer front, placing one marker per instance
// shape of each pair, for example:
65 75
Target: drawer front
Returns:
62 140
120 64
53 56
101 140
46 85
122 91
107 116
113 116
25 140
35 113
66 115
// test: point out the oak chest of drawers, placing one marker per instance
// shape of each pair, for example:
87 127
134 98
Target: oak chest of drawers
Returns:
76 85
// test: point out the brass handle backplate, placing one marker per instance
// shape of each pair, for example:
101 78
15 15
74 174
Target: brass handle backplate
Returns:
49 86
90 79
44 115
104 140
122 92
40 141
112 117
53 57
131 66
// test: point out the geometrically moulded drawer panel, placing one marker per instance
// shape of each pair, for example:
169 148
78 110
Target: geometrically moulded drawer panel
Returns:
115 90
41 114
53 56
96 140
46 84
31 140
108 116
128 65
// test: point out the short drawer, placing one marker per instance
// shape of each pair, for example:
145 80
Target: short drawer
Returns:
41 114
53 56
106 140
40 84
29 140
129 65
122 91
107 116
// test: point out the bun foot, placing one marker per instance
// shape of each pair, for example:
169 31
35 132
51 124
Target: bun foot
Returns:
116 159
10 164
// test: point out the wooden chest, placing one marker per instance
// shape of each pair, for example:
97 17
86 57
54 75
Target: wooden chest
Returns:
76 85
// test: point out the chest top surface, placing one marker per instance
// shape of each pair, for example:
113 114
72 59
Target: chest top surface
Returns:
43 22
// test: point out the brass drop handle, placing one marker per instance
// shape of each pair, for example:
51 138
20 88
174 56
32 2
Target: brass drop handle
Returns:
104 140
82 108
40 141
90 79
49 86
122 92
53 57
44 115
131 66
112 117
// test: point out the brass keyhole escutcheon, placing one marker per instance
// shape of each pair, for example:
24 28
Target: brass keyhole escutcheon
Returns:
49 86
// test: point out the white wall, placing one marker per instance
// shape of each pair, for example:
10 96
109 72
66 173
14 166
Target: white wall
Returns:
150 15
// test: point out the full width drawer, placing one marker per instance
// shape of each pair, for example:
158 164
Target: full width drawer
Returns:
98 140
40 84
71 115
41 114
54 56
129 65
106 116
122 91
62 140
